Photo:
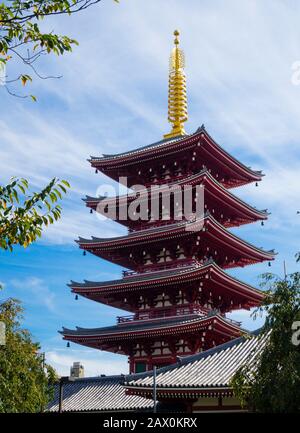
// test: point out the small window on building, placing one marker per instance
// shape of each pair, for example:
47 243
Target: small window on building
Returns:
140 367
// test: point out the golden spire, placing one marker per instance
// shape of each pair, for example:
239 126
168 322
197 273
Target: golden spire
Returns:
177 102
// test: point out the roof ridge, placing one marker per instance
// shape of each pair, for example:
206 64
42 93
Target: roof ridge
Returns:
147 146
100 378
144 275
201 130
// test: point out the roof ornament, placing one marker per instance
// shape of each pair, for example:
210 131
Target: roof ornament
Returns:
177 100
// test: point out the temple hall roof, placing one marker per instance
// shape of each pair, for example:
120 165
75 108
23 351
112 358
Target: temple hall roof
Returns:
95 394
210 370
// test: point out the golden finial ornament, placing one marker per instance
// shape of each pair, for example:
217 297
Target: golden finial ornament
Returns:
177 101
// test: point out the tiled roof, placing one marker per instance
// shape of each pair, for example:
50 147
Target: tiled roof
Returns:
141 325
165 143
142 276
184 181
162 276
182 225
210 369
141 149
98 394
137 234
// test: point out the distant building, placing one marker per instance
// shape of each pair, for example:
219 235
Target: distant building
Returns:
77 370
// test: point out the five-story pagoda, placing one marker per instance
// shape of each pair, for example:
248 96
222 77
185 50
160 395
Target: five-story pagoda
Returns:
175 287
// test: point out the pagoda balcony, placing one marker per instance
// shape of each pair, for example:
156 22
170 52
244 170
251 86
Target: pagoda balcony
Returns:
167 312
171 312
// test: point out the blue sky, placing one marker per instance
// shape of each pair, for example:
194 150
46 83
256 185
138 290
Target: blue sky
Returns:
112 97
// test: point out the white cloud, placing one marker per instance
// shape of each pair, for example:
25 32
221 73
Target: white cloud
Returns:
77 221
247 319
36 290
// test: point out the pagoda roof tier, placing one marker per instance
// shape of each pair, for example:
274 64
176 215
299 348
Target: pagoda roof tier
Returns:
227 249
227 208
212 278
110 338
200 148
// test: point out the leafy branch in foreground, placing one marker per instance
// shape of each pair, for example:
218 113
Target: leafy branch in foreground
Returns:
22 223
25 379
22 39
273 385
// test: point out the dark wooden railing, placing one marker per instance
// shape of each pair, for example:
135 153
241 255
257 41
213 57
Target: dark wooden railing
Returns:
171 312
163 267
167 312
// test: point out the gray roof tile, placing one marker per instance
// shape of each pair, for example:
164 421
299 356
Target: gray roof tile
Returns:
141 325
98 394
212 368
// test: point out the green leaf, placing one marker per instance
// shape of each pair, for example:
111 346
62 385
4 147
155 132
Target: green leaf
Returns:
66 183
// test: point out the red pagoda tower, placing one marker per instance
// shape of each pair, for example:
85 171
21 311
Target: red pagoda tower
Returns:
175 287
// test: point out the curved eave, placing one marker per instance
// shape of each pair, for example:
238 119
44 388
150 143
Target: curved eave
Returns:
203 176
170 392
164 147
218 323
250 248
131 238
170 231
254 175
94 289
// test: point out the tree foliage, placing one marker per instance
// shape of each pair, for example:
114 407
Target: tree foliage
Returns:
21 37
274 384
24 376
25 379
23 216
